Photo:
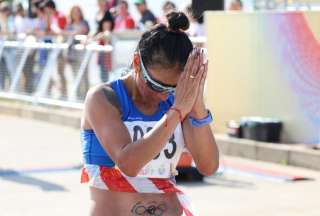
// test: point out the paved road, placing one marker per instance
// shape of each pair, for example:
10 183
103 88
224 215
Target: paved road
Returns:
38 177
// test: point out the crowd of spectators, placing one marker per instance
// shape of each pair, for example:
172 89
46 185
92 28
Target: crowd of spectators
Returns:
47 24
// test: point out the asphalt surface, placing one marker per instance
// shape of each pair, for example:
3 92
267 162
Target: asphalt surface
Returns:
39 175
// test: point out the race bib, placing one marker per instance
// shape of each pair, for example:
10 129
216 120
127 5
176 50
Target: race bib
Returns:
164 164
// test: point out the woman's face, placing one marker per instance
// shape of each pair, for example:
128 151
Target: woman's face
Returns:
122 9
168 76
106 26
76 14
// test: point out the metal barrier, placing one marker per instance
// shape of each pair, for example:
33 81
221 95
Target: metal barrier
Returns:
61 73
52 70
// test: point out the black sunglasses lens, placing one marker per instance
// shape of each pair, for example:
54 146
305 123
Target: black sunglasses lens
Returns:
155 88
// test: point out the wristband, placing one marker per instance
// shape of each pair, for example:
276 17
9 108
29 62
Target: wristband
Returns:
201 122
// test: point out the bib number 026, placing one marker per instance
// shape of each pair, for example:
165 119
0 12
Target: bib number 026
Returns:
139 133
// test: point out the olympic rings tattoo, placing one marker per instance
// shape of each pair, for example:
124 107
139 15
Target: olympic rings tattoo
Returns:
150 209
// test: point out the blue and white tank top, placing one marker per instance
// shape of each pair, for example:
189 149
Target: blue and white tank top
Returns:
138 124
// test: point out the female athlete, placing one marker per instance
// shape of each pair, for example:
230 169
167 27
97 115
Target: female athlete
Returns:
134 129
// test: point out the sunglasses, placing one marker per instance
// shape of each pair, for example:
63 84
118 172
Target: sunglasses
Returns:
153 84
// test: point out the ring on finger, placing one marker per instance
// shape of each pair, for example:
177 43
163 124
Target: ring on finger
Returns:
192 77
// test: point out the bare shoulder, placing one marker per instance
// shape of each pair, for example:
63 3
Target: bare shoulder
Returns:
102 95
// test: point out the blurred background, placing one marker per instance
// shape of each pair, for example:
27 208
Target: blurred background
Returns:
263 88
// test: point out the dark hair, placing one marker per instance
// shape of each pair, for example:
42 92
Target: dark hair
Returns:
124 2
38 5
168 46
50 4
107 17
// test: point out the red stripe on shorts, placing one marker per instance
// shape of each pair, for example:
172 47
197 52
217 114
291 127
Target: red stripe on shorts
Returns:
165 186
84 176
114 180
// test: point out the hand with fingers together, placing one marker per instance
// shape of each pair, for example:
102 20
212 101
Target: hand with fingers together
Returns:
199 110
190 82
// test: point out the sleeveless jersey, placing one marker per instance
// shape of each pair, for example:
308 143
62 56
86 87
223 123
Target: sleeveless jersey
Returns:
138 124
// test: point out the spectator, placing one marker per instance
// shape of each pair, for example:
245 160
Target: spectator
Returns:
23 25
40 26
167 7
6 19
57 20
77 26
56 25
105 27
123 20
147 18
236 5
7 60
21 22
106 23
103 6
196 28
40 20
101 11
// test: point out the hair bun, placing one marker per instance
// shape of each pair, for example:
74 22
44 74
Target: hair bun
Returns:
178 21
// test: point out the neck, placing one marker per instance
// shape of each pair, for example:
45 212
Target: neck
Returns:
76 21
134 90
136 96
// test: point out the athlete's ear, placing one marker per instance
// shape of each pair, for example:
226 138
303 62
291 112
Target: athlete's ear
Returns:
136 62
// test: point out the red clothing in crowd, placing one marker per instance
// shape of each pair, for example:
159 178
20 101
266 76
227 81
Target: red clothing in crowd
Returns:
61 20
124 23
57 22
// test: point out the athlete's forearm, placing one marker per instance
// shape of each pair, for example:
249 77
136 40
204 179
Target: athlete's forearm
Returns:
202 146
134 156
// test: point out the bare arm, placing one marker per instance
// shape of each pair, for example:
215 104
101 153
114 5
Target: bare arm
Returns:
105 119
201 144
129 156
200 140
